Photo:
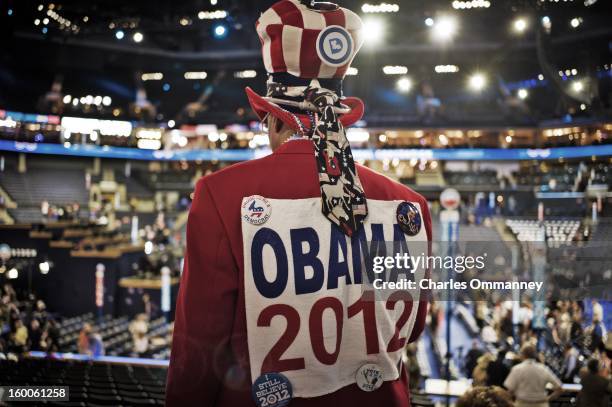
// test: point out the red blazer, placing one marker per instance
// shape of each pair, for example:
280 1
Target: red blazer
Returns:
209 364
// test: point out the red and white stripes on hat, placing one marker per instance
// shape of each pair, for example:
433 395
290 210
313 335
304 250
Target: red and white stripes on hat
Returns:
308 43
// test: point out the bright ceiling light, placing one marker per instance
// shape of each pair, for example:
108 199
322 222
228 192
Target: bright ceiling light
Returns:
152 76
578 86
138 37
444 28
380 8
196 75
429 21
374 29
575 22
477 82
520 25
395 70
404 85
522 93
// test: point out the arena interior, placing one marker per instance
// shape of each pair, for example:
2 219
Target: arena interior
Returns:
111 111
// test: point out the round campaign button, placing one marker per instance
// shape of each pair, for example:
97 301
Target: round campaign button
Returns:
409 218
272 390
256 210
335 46
369 377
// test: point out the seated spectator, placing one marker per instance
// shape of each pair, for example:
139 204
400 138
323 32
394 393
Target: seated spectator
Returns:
96 346
485 397
35 335
141 344
527 381
596 388
19 337
83 344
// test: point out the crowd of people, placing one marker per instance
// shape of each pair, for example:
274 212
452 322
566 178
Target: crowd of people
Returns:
25 324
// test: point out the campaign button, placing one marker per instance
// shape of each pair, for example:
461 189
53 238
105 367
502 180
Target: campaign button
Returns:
409 218
272 390
369 377
256 210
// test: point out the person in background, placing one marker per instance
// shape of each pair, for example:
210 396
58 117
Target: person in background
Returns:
19 336
96 346
485 397
570 363
414 371
35 335
596 388
498 370
471 358
527 381
83 343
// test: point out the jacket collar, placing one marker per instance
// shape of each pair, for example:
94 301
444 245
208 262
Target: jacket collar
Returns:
296 146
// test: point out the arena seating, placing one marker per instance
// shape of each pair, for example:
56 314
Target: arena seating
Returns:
554 232
480 178
115 335
90 383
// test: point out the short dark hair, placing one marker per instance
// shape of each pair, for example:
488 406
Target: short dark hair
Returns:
482 396
593 366
529 352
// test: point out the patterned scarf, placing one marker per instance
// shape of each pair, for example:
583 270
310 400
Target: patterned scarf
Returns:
342 196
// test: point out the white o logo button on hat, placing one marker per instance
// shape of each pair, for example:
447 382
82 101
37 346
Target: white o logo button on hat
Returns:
335 46
369 377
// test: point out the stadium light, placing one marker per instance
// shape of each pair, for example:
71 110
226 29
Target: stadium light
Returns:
138 37
522 93
196 75
404 84
575 22
395 70
13 273
380 8
477 82
520 25
119 34
444 29
577 86
220 31
152 76
375 29
44 267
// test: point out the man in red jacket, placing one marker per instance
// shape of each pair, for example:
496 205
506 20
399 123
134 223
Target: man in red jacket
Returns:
275 303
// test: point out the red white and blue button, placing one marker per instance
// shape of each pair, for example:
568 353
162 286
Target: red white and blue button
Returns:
409 218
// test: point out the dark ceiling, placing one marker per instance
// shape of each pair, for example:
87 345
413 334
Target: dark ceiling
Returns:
89 59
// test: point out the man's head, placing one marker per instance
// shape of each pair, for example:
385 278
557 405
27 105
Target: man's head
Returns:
593 366
529 352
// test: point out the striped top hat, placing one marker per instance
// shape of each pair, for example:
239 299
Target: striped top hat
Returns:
304 41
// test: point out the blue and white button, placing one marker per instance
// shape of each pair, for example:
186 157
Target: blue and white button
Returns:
272 390
335 46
